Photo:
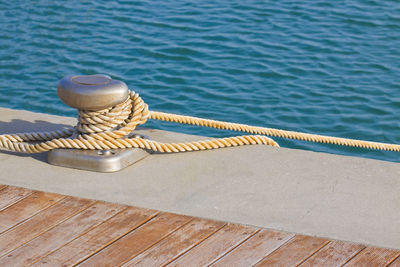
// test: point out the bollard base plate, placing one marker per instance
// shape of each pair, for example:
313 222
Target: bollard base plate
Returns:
96 160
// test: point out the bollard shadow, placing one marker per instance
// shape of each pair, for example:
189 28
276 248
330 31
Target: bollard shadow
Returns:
20 126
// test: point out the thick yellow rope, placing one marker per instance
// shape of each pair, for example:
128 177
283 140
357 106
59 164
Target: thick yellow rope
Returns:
108 128
273 132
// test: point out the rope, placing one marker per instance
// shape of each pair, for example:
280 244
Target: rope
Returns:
273 132
108 128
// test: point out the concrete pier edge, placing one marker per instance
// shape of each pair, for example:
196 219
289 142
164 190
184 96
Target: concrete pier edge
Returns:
339 197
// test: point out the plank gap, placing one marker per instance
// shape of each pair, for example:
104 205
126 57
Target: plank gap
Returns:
196 244
115 240
227 252
313 253
255 249
154 244
27 225
137 241
11 195
36 206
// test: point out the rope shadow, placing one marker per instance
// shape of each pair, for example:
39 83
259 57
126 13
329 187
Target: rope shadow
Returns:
19 126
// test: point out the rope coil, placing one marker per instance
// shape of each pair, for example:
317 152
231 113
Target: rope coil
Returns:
108 128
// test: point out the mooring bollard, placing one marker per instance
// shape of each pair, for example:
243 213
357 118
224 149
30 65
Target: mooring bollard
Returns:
92 93
108 113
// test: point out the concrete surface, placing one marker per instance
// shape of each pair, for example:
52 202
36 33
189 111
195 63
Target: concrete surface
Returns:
347 198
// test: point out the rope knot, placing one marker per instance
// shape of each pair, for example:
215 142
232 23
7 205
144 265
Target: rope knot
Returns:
118 120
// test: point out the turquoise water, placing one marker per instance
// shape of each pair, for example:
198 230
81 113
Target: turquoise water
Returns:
327 67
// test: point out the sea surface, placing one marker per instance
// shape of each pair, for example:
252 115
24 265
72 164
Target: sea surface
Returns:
326 67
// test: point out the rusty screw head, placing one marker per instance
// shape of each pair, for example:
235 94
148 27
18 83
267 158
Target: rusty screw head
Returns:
91 92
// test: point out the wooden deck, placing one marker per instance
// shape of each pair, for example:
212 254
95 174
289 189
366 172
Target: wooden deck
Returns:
46 229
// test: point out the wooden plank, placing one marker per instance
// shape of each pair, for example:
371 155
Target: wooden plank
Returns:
137 241
294 252
58 236
11 195
254 249
26 208
99 237
53 230
372 256
41 222
177 243
217 245
336 253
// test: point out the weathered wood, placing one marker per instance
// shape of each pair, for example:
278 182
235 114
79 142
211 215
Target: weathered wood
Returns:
41 222
98 238
255 248
216 246
336 253
294 252
26 208
177 243
137 241
396 262
372 256
47 229
11 195
58 236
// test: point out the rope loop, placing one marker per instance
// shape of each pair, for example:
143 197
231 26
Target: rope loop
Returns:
108 129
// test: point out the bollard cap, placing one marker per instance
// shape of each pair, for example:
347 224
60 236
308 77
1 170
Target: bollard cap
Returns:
91 92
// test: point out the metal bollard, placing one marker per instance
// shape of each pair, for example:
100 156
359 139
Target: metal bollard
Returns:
94 92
